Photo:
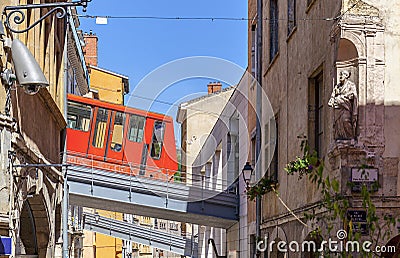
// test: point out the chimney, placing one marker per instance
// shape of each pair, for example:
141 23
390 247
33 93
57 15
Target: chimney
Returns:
214 87
90 48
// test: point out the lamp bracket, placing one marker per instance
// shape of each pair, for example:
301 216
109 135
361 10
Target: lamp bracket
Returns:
19 16
8 77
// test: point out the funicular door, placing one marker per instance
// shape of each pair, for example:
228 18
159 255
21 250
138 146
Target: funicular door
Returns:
155 159
117 132
135 141
78 128
100 129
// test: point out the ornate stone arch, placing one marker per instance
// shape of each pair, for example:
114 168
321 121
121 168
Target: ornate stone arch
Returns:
278 234
35 238
355 38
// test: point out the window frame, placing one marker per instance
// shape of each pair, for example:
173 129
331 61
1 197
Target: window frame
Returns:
316 112
291 23
155 137
113 131
137 128
273 29
271 155
89 118
105 136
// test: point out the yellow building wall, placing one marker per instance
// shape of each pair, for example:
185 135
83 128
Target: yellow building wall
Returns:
109 86
107 246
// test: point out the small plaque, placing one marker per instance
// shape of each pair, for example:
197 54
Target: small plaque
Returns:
359 220
364 175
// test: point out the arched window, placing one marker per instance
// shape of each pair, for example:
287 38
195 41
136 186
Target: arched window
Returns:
311 245
392 248
275 251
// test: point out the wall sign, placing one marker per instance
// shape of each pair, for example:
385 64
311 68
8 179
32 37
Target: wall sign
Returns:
358 219
366 176
5 245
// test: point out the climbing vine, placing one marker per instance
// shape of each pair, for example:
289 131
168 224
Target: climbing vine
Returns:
335 203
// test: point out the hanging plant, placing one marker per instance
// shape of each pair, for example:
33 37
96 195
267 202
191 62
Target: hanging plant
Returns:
266 184
306 164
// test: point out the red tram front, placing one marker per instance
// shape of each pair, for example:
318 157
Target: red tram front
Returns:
119 138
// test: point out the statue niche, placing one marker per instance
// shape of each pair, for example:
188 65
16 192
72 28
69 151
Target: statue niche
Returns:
344 100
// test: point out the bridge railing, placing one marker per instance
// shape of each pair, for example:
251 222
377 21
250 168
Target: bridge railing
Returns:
169 182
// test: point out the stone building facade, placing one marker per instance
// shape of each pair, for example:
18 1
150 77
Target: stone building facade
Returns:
32 132
305 47
197 118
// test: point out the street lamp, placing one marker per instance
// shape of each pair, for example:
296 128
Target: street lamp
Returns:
247 172
27 70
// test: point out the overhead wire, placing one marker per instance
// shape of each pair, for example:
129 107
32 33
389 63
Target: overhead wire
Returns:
211 18
176 105
189 18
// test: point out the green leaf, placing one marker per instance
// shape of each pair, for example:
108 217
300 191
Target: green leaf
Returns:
335 185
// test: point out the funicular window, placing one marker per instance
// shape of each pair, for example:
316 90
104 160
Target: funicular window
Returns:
100 128
78 116
136 128
118 132
157 140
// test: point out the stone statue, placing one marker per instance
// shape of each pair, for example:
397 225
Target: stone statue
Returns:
344 101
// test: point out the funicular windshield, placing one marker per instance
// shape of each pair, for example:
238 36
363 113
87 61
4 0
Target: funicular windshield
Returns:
78 116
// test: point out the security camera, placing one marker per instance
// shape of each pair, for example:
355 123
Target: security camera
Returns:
31 89
27 70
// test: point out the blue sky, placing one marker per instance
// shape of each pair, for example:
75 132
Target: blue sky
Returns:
135 47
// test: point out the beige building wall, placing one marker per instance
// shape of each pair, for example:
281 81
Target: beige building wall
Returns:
322 44
197 117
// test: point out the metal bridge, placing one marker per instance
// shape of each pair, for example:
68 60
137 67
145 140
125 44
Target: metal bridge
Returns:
141 234
153 197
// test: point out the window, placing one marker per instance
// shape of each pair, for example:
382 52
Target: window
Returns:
157 140
253 245
232 148
173 226
271 148
311 244
316 113
72 83
273 29
291 15
276 252
163 225
273 167
118 132
253 49
136 128
78 116
253 151
100 128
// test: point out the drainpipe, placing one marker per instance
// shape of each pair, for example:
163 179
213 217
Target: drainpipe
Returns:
65 212
258 114
64 158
